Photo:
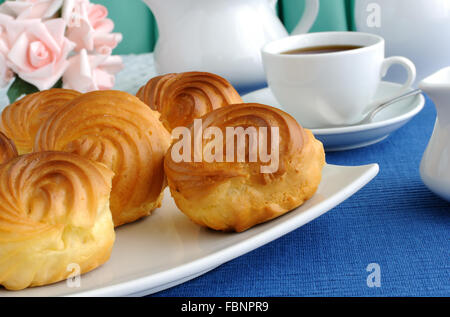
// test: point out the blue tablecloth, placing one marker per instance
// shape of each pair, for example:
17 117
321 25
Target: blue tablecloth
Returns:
395 222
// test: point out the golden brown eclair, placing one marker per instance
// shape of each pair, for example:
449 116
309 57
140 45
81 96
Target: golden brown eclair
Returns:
233 195
21 120
118 130
180 98
54 212
8 150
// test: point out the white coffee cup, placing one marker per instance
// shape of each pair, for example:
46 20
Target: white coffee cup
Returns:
330 89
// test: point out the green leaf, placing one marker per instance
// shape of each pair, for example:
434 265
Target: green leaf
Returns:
18 88
58 84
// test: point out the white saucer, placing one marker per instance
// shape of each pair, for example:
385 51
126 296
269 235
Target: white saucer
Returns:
351 137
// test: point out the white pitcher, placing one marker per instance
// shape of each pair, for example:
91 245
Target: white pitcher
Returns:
416 29
435 166
220 36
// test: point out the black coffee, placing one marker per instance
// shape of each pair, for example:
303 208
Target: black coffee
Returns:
321 49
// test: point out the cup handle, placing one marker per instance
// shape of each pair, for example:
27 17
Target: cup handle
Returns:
308 18
410 68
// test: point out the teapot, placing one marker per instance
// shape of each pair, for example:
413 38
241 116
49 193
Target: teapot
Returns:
435 166
220 36
418 30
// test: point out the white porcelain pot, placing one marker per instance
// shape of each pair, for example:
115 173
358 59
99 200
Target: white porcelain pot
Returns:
220 36
417 29
435 166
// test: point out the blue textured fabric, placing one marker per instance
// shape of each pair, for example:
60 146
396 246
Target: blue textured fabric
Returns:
394 221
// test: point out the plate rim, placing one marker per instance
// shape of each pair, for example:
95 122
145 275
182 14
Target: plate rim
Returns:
209 262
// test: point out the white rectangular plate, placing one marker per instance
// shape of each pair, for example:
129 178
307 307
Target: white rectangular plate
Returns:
167 249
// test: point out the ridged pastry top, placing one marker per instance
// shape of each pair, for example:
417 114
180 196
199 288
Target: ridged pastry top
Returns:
8 150
189 177
49 191
180 98
118 130
21 120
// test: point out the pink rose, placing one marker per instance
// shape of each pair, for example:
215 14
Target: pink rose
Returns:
5 21
39 51
31 9
91 72
89 27
6 74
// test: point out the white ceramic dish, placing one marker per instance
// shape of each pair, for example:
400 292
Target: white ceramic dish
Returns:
351 137
332 89
167 249
436 159
243 27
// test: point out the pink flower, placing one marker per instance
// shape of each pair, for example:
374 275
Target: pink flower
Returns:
92 72
39 51
6 74
89 27
31 9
